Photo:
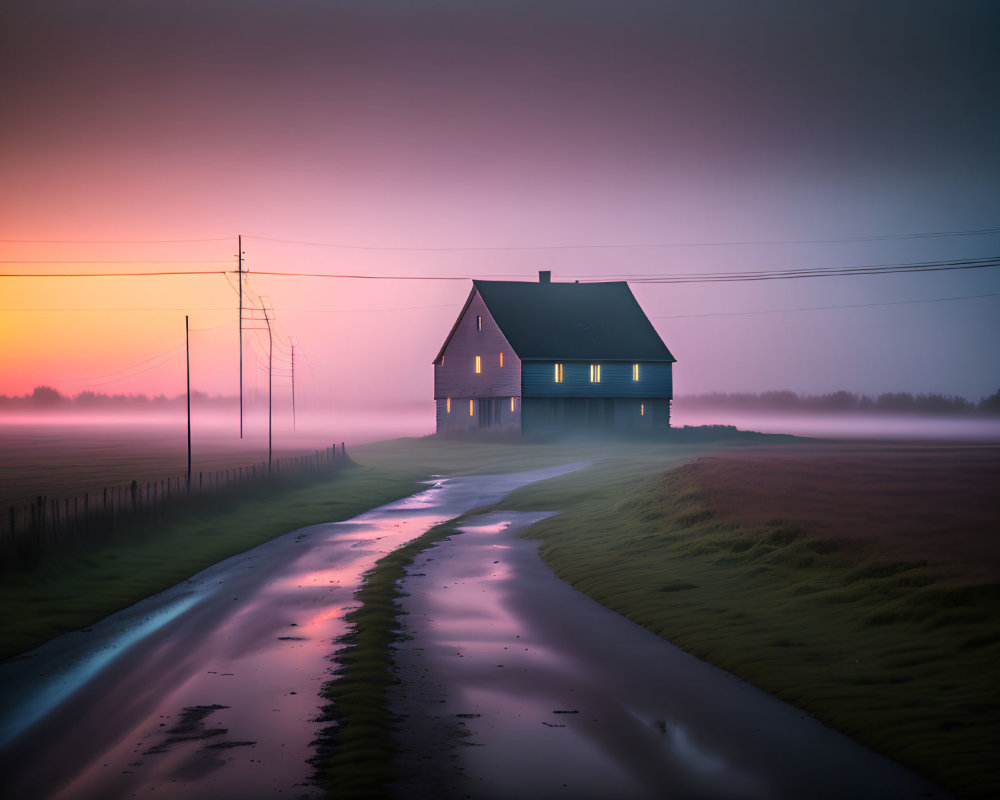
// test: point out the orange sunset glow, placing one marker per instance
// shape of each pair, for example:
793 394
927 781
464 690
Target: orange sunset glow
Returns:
587 399
363 146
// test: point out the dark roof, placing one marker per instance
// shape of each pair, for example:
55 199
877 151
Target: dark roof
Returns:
572 321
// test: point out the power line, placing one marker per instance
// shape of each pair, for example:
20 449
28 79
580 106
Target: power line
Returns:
139 372
821 272
824 308
367 277
818 272
109 274
115 241
711 277
364 310
117 374
636 245
834 240
119 261
121 308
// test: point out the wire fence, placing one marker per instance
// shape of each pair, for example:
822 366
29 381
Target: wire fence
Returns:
33 531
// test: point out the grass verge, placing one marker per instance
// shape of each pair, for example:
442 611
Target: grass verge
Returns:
80 588
74 589
355 755
891 652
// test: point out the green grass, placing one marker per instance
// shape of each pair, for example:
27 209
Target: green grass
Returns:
75 590
72 592
356 753
890 653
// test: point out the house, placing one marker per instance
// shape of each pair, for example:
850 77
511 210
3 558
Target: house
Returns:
526 357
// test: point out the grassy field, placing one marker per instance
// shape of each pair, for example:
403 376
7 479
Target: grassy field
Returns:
66 460
887 630
856 581
70 592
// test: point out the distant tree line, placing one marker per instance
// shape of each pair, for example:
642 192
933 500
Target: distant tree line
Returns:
45 398
844 402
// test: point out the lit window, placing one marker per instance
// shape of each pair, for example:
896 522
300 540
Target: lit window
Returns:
642 409
512 405
635 372
479 323
559 373
595 373
479 364
447 405
470 407
501 359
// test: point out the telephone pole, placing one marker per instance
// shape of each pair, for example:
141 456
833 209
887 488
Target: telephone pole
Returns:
293 386
239 271
270 350
187 355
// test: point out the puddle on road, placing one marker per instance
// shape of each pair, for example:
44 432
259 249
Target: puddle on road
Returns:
525 687
255 652
254 646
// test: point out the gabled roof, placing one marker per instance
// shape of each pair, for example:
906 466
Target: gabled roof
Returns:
571 321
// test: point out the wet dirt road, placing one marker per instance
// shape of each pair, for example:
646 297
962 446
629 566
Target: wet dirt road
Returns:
514 684
209 689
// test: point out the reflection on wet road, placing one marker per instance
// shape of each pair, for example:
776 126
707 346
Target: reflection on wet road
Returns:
527 688
210 689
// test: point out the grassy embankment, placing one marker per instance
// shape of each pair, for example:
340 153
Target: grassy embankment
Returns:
897 653
356 759
71 591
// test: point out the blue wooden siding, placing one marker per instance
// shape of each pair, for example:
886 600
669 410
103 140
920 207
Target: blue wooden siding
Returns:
565 414
537 380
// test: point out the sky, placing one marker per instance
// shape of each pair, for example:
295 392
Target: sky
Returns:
444 141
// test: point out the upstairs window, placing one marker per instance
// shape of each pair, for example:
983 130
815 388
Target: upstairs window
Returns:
447 405
479 364
635 372
479 323
559 373
595 373
501 359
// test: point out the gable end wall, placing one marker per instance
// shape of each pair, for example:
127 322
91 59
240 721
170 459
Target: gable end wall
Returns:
456 377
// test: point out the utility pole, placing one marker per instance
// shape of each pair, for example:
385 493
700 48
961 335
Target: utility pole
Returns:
270 350
293 386
187 355
239 271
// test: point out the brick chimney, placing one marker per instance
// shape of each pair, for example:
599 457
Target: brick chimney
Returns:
544 276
